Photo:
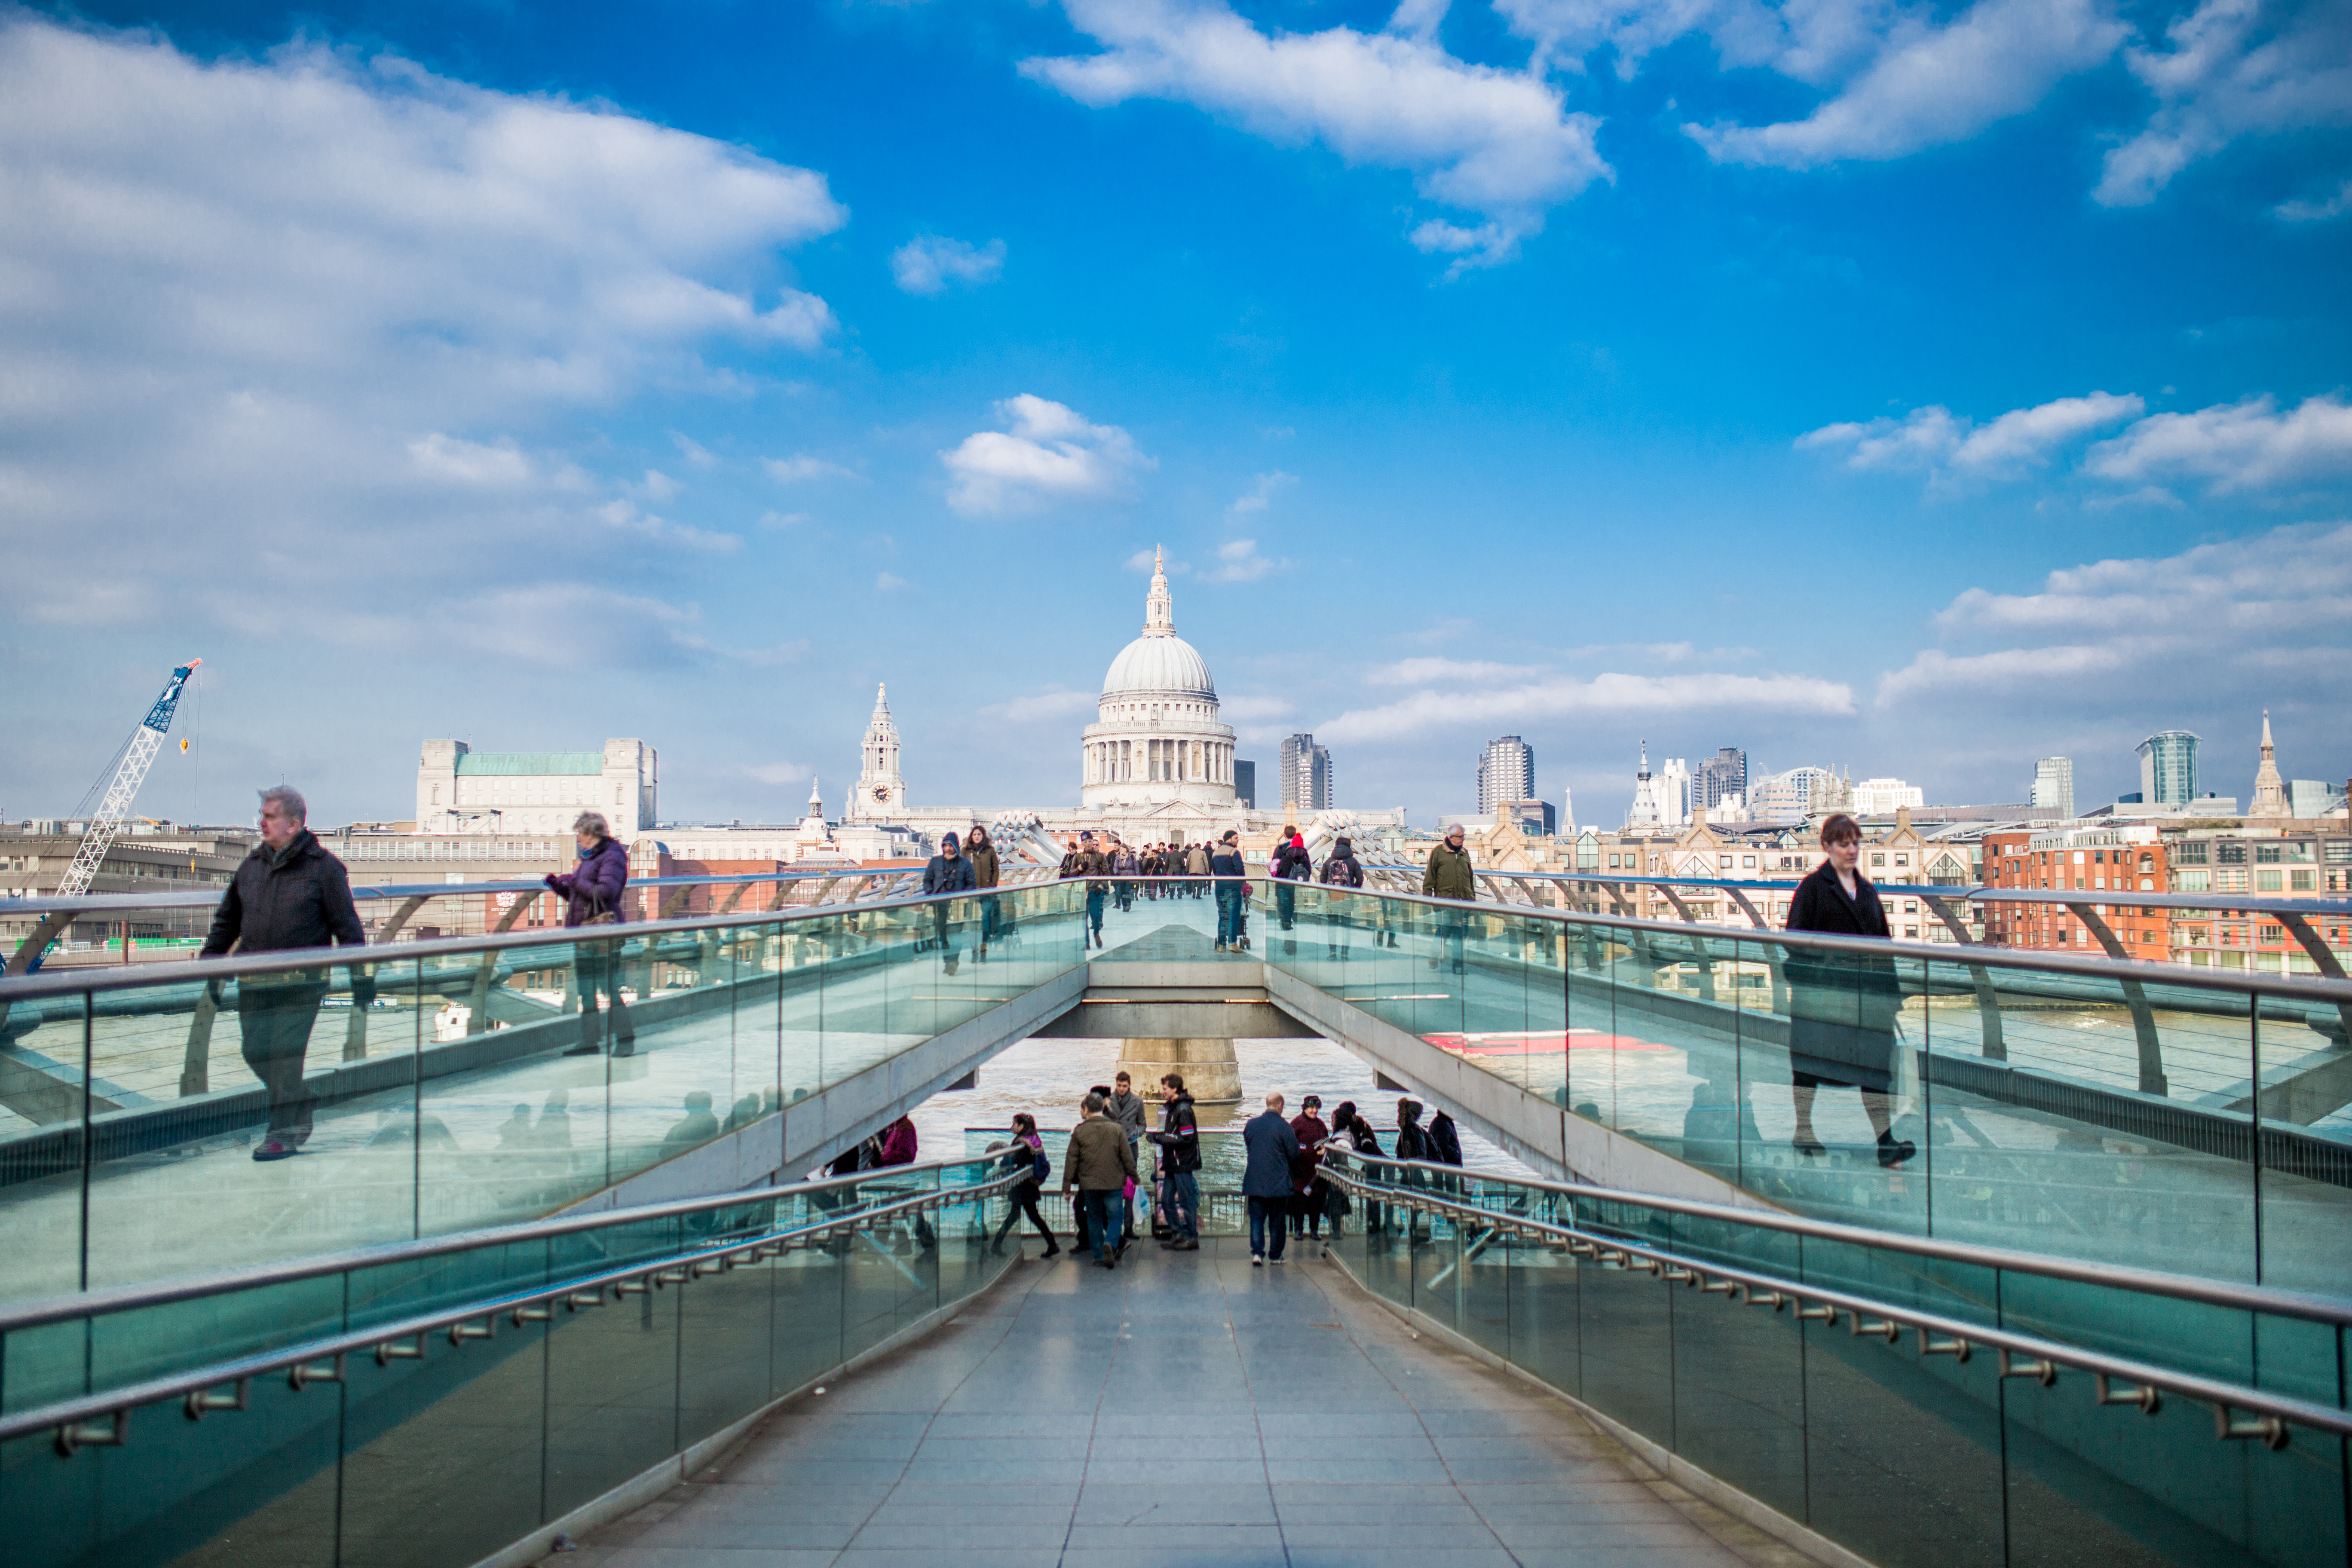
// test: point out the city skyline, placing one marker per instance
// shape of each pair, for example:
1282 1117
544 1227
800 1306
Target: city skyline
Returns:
754 359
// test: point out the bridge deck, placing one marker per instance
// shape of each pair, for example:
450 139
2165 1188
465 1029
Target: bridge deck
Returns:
1185 1409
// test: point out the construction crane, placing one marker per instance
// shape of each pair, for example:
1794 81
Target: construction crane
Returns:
138 756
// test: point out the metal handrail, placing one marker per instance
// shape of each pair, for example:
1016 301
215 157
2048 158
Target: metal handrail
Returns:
2309 989
66 1417
181 972
2307 1305
2022 1355
43 1311
1987 892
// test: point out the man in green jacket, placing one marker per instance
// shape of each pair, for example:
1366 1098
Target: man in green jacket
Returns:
1100 1162
1447 876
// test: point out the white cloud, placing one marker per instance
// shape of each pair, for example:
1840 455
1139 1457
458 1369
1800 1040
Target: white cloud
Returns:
311 294
1255 709
623 516
2315 211
1239 561
802 469
2234 68
928 264
1931 86
658 486
780 772
1051 454
1559 695
780 520
888 583
1935 439
1260 493
694 452
1056 706
772 656
2145 630
2234 445
471 462
1500 143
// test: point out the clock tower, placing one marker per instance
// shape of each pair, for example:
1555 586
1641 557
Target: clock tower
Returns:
880 792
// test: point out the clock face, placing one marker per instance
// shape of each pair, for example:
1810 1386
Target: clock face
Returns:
881 791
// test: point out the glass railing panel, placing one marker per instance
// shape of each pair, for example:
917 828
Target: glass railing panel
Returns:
442 1457
2306 1154
726 1349
806 1325
612 1394
48 1041
1546 1314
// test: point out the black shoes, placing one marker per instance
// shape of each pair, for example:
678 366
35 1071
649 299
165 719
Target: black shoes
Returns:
1893 1150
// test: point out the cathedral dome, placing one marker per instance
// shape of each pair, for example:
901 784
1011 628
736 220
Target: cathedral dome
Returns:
1159 663
1158 666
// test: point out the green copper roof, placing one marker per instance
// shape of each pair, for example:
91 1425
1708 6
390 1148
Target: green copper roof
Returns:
499 764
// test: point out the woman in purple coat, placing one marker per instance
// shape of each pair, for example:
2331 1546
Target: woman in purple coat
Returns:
592 896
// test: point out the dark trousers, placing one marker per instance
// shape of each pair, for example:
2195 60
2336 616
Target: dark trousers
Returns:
1285 902
274 1031
1180 1204
601 971
1024 1202
1106 1213
1306 1212
1266 1214
1094 910
940 930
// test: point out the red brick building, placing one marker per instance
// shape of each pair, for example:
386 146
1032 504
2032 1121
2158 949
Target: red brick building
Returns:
2119 860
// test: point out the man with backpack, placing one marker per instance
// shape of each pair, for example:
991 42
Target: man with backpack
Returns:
1290 864
1341 871
1179 1142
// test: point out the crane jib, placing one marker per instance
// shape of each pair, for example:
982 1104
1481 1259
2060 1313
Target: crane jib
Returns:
159 718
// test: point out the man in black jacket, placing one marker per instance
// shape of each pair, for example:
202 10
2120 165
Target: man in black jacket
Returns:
948 871
289 893
1179 1139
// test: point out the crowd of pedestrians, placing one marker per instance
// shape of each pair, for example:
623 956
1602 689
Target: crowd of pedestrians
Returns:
1284 1187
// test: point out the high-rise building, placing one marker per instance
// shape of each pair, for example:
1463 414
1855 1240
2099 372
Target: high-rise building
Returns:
1674 792
1245 785
1506 771
2167 768
2054 784
2313 797
1726 772
1794 795
1884 797
1305 773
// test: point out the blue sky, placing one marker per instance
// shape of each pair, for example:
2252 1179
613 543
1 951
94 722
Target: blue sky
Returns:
1922 389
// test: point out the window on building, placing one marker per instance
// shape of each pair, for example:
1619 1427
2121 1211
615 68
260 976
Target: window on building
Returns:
2272 935
2190 852
2269 854
1878 859
2269 882
2229 852
2302 881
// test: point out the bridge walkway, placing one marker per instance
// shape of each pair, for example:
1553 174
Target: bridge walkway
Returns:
1184 1409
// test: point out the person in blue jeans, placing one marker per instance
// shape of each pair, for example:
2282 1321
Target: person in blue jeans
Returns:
1270 1146
1100 1162
1226 866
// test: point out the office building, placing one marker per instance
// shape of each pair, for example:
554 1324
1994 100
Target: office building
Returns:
1506 771
2313 797
1724 774
1884 797
2167 768
2054 784
1305 773
1245 784
461 789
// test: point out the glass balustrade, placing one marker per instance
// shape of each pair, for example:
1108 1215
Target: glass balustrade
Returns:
2091 1110
442 1085
1905 1455
445 1447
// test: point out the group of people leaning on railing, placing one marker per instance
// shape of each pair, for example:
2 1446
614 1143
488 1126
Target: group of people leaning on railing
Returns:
1283 1182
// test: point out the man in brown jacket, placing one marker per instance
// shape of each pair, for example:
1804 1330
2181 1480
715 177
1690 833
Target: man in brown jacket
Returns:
1100 1162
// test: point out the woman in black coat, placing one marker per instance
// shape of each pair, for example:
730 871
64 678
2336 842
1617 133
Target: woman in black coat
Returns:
1841 1006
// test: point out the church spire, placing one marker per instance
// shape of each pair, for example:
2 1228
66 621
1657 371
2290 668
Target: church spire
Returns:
2270 789
1159 610
881 700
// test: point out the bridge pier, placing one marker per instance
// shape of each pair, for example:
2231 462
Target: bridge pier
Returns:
1211 1072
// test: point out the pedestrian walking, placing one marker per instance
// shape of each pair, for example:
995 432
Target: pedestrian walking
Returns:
1026 1149
899 1144
1178 1142
1233 892
1342 873
1095 866
1445 1149
1289 867
948 871
1127 866
1448 876
1341 1141
1412 1144
1124 1107
1196 864
1362 1140
1308 1191
980 850
1843 1007
1270 1147
1100 1162
289 893
592 896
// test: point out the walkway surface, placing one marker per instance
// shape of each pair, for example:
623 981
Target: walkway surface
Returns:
1183 1409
